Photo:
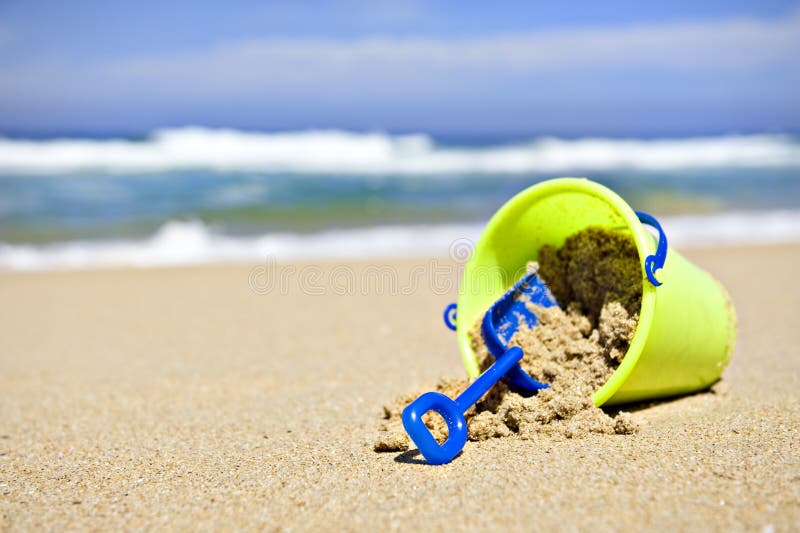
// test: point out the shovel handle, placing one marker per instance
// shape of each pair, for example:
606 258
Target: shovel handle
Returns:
432 451
452 412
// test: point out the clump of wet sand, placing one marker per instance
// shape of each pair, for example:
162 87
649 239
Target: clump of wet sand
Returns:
575 349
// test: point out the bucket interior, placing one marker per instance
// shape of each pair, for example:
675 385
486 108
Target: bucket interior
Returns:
547 213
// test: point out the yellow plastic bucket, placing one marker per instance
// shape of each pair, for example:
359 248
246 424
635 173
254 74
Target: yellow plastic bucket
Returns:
687 325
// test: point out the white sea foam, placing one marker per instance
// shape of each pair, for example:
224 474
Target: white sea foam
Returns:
340 152
187 243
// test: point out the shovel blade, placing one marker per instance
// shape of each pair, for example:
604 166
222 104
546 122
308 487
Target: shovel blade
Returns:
505 318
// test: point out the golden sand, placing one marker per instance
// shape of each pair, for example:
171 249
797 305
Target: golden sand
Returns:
182 399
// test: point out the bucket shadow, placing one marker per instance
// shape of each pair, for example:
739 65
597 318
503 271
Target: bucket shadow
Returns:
647 404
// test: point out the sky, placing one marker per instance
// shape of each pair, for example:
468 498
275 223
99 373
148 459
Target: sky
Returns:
585 68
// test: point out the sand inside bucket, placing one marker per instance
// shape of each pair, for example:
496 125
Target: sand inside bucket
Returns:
575 350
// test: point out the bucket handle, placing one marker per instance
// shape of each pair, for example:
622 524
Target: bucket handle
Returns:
655 261
450 316
652 263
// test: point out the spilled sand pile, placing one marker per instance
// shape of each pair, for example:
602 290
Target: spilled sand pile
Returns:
575 350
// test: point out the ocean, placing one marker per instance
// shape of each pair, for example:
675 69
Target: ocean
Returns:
197 195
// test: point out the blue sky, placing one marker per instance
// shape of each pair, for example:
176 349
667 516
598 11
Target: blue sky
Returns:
459 68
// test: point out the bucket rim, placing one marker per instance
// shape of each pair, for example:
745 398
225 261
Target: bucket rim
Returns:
645 243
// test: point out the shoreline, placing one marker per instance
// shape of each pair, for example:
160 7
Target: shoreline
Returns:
192 242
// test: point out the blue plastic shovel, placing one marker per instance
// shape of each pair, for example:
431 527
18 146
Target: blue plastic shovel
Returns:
500 322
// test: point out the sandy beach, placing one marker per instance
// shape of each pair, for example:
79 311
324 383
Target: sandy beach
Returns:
202 398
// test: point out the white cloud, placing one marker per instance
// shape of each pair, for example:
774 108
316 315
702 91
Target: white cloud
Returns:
730 44
744 62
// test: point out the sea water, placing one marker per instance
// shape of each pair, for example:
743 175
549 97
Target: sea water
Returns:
194 195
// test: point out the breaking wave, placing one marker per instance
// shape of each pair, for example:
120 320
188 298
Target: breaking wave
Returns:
187 243
342 152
